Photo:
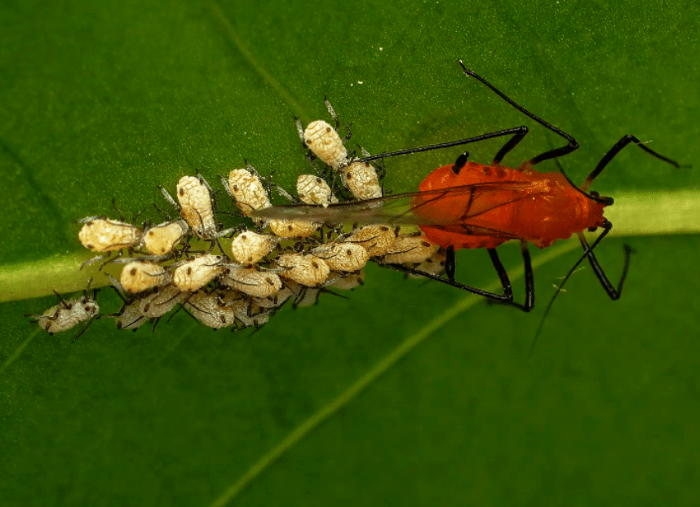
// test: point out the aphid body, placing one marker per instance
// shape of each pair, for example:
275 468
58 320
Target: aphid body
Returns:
68 314
343 256
248 191
376 239
161 301
104 235
161 239
325 143
196 206
252 282
409 248
249 247
194 274
305 269
209 309
362 180
139 276
314 190
292 228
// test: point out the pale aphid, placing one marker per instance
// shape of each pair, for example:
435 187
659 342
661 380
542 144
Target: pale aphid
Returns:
287 291
101 234
435 264
139 276
314 190
130 317
68 314
362 180
161 239
307 297
305 269
349 281
343 256
252 282
247 190
253 315
195 273
376 239
208 309
161 301
249 247
409 248
292 228
325 143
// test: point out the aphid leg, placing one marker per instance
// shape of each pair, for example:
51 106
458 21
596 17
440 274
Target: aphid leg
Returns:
85 327
332 112
119 212
529 277
281 191
300 131
169 198
521 131
91 218
62 301
113 259
224 182
615 150
162 211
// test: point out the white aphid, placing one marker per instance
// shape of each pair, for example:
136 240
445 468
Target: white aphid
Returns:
208 309
194 274
161 301
67 314
284 228
305 269
196 206
247 190
249 247
253 315
343 257
104 235
162 238
362 180
325 143
252 282
314 190
280 298
139 276
376 239
308 297
349 281
130 316
409 248
435 264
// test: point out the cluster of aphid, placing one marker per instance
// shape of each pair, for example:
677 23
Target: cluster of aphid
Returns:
244 284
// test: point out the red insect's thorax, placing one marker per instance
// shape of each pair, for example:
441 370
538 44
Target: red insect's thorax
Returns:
503 204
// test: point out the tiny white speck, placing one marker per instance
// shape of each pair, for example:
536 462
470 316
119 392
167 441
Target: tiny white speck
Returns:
381 49
360 82
352 84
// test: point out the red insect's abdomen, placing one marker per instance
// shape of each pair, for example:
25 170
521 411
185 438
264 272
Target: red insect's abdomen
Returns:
535 207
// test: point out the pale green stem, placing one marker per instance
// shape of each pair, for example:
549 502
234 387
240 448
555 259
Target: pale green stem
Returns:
633 214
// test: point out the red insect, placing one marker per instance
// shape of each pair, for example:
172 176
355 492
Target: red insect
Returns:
470 205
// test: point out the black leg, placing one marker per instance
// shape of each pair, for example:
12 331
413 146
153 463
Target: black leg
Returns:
510 144
460 162
613 293
450 263
615 150
557 152
529 278
506 297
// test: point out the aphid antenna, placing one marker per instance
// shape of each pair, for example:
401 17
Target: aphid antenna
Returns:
91 218
281 191
160 210
252 170
86 326
169 198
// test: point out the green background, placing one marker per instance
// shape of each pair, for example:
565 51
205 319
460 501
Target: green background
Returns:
102 100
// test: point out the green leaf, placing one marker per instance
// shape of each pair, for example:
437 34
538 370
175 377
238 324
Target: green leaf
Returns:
406 393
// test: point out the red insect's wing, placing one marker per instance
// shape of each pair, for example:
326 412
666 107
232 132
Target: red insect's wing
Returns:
432 207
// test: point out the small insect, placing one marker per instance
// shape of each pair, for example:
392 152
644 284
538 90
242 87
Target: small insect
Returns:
196 206
161 301
304 269
101 234
349 281
68 314
195 273
324 141
470 205
408 249
362 180
314 190
246 188
161 239
249 247
376 239
342 256
210 310
139 276
284 228
252 282
435 264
